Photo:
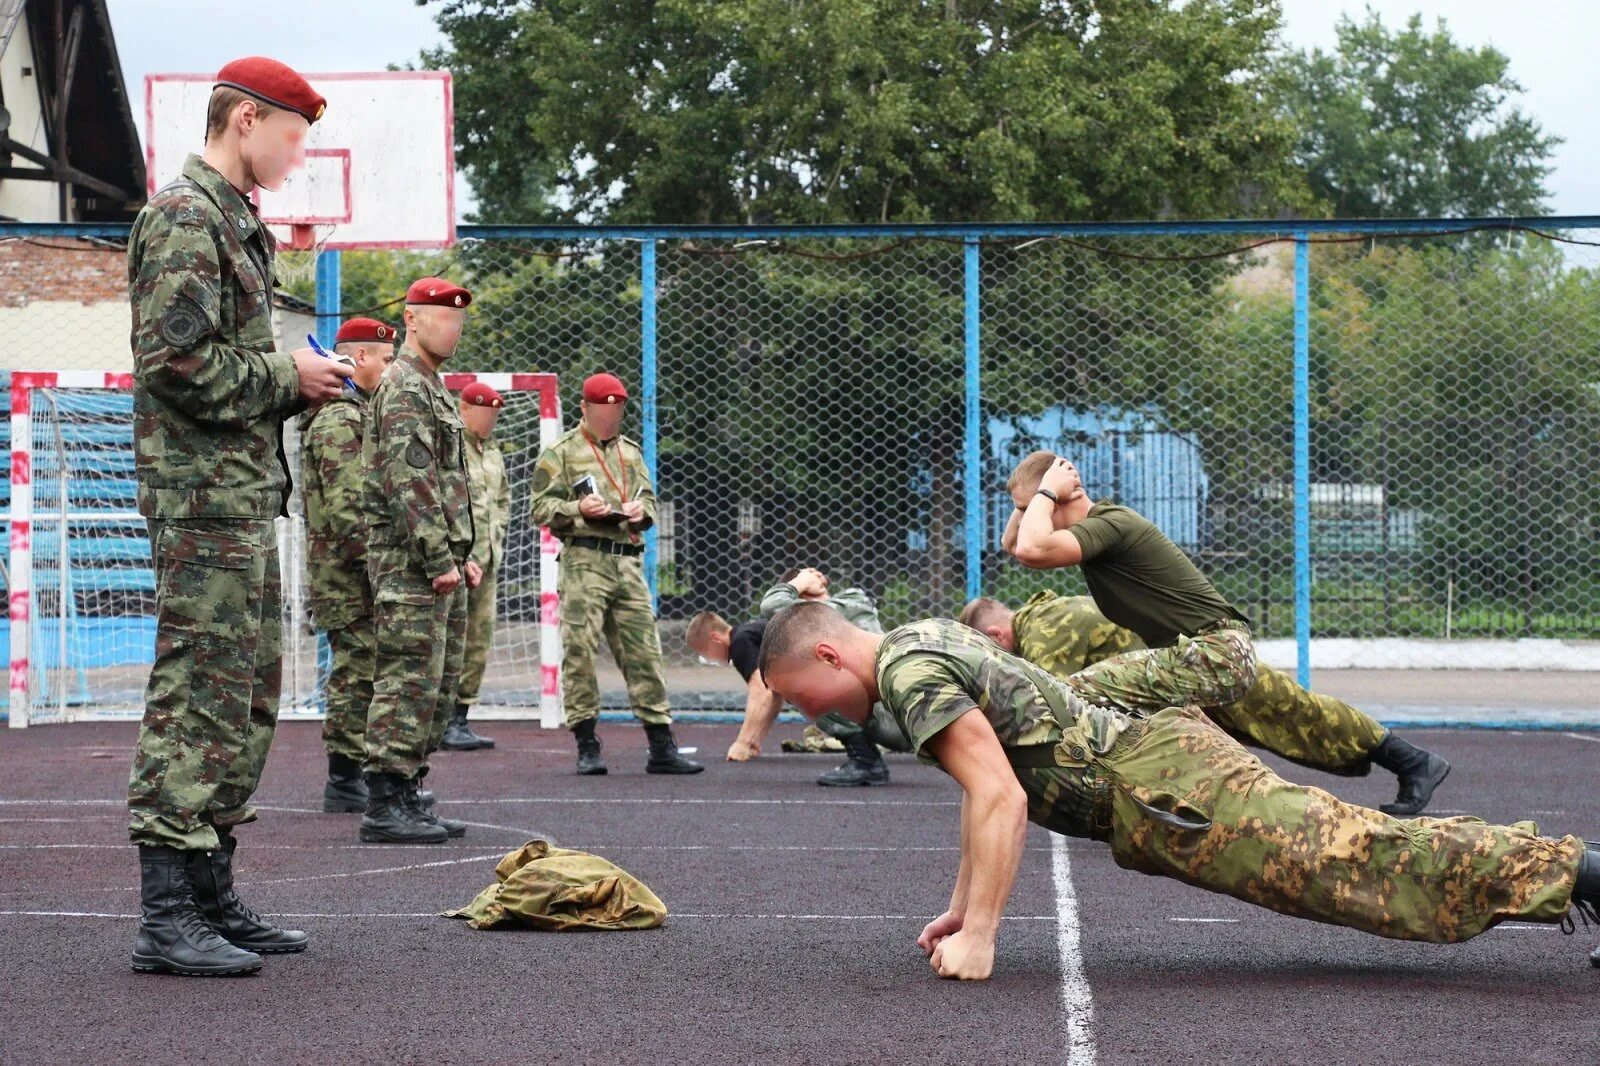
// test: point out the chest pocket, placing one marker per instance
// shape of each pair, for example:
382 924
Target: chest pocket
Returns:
249 295
450 446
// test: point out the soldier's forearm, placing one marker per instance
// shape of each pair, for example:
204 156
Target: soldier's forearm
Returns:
220 384
993 850
778 597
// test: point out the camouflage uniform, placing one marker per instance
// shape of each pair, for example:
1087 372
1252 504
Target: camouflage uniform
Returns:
333 486
602 582
419 509
1069 637
491 516
210 396
1175 796
861 611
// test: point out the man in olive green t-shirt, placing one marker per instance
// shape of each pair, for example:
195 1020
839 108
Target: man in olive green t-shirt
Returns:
1200 646
1170 793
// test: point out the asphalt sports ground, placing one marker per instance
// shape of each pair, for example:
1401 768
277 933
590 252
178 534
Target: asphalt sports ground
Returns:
794 913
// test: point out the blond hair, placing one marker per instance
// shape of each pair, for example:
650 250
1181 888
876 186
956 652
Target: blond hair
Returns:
703 626
1030 472
224 98
980 612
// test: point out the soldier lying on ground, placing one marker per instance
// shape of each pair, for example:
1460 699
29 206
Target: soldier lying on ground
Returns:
1172 794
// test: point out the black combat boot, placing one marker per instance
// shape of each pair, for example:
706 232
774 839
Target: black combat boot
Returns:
864 767
212 875
664 757
345 793
174 936
1586 892
589 762
390 818
453 828
1420 772
458 735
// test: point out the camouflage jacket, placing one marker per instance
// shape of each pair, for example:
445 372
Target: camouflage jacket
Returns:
210 395
855 604
931 673
332 485
572 458
1065 634
491 500
417 492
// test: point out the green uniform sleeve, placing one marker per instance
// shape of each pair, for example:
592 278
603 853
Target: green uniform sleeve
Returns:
777 598
407 470
333 444
178 355
646 492
502 508
1097 535
924 696
552 502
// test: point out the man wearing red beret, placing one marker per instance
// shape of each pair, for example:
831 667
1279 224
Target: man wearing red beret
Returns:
593 491
491 517
419 541
210 398
332 487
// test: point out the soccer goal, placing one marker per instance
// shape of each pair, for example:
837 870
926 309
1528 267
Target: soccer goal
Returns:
82 588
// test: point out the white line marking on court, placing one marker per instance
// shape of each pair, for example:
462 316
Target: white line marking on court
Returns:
589 800
1581 736
496 855
1203 919
368 848
1077 1003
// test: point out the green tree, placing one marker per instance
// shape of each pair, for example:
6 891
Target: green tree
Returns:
1412 124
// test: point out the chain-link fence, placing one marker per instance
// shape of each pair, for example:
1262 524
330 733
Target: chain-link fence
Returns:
853 399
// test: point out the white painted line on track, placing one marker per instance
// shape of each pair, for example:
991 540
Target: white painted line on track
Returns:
670 917
495 855
1077 1003
1583 736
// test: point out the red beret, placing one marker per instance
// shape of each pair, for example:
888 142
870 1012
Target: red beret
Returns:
365 329
437 291
480 395
604 388
273 83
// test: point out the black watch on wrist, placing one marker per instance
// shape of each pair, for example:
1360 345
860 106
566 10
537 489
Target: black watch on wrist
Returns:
1047 494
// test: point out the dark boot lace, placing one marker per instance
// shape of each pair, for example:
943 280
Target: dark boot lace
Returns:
187 916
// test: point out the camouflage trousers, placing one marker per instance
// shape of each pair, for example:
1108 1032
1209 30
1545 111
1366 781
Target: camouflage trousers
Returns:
1309 728
1255 703
1213 667
1177 797
211 704
481 608
420 637
605 595
349 689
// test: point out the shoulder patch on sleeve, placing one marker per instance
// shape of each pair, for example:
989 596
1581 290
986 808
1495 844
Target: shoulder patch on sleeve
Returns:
183 322
418 456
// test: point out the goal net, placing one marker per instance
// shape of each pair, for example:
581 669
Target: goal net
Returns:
82 588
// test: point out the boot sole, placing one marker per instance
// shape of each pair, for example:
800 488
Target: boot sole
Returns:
343 808
673 772
295 950
853 784
147 964
593 773
1427 798
369 836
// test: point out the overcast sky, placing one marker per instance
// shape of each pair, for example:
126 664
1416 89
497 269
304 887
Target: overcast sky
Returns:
1550 43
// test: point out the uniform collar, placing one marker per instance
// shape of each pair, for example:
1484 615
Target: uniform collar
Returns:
240 212
416 361
608 442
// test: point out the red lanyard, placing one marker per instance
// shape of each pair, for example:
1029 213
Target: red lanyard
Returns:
622 488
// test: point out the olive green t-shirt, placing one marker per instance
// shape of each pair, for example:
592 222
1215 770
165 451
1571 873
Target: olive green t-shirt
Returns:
1141 580
931 673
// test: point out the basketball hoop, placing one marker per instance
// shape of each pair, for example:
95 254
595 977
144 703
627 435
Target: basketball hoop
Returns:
302 237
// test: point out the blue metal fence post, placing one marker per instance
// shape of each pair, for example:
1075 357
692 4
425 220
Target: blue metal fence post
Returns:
328 306
1302 456
971 319
647 391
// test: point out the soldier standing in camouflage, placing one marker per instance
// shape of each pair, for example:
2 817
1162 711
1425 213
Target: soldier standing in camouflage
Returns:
592 490
1068 634
1172 794
1142 581
332 490
419 540
210 398
491 516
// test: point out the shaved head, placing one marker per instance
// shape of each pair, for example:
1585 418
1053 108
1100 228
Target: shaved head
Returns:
993 619
795 631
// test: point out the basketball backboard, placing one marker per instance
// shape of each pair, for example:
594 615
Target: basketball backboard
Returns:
380 164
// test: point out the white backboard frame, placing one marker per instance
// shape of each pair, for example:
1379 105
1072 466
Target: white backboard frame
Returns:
391 132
